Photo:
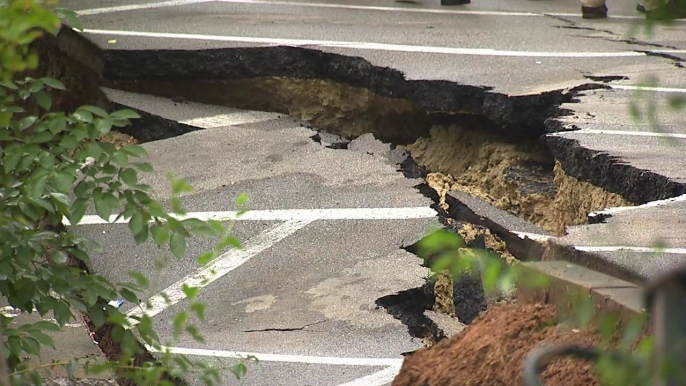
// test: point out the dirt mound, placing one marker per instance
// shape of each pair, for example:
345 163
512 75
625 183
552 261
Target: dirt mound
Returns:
492 349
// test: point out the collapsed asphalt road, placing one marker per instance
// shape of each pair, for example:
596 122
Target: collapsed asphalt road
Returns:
324 242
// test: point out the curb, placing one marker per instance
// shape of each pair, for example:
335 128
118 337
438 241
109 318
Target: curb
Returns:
567 280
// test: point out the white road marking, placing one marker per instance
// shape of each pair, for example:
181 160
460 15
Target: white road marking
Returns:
133 7
652 204
631 249
291 214
395 362
219 267
238 118
97 11
533 236
648 88
624 133
380 378
377 46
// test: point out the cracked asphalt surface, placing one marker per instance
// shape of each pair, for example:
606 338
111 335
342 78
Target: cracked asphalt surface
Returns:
312 293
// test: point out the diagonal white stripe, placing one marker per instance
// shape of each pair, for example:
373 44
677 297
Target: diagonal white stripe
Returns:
395 362
218 268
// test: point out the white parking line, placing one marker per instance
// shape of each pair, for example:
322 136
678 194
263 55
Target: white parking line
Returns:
648 88
533 236
238 118
652 204
395 362
406 213
377 46
679 251
380 378
219 267
623 133
133 7
443 11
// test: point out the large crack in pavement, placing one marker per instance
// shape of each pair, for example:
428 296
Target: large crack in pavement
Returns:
467 143
464 141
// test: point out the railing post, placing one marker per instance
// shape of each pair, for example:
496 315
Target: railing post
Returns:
666 300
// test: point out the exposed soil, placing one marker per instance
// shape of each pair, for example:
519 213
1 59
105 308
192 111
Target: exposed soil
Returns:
519 178
491 351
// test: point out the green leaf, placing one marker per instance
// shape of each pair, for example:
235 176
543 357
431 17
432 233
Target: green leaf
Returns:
191 292
77 213
143 167
38 187
206 257
71 369
35 378
241 200
160 234
83 116
26 122
63 182
42 137
93 110
136 223
54 83
179 323
199 309
62 313
102 207
44 100
142 236
94 150
135 150
69 142
11 162
47 326
129 176
177 244
59 257
103 125
125 114
228 241
30 345
140 279
97 315
129 296
42 338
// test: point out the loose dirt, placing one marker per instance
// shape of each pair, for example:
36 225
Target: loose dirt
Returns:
519 178
491 351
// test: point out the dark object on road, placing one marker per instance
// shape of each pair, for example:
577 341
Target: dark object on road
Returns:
640 7
455 2
594 12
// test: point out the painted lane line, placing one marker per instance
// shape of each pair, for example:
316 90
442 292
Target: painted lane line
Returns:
290 214
396 362
420 10
376 46
218 268
224 120
133 7
652 204
632 249
624 133
380 378
648 88
533 236
382 9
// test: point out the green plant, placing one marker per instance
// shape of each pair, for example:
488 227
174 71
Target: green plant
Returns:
52 168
